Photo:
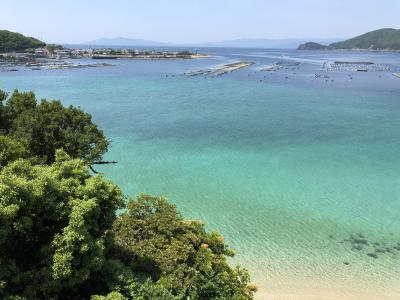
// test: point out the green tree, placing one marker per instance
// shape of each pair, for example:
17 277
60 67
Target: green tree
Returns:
111 296
20 103
3 123
179 254
54 228
61 238
53 47
49 125
3 95
11 150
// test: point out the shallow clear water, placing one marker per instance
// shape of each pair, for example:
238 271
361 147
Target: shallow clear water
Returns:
285 168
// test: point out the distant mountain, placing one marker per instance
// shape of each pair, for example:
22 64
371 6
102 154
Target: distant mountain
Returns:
238 43
121 41
262 43
382 39
13 41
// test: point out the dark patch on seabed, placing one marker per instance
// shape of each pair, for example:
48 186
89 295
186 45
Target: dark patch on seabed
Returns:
372 248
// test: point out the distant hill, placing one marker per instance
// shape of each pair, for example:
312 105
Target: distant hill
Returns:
262 43
382 39
121 41
237 43
312 46
13 41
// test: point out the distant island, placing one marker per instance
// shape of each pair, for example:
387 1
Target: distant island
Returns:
312 46
387 39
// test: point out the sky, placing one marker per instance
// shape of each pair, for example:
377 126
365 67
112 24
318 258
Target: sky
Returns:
196 21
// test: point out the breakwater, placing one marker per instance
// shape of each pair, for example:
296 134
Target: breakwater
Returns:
221 70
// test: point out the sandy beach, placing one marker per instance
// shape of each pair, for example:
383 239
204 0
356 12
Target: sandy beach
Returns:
353 285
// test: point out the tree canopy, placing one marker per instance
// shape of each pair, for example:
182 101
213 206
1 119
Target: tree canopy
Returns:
68 234
190 262
54 227
11 150
52 47
48 125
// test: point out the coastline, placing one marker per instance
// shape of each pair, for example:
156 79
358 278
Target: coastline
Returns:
354 291
324 276
151 57
354 286
353 50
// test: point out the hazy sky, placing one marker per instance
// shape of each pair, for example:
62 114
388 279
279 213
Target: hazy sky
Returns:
72 21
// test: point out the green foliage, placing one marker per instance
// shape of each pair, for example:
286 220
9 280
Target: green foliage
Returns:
57 228
12 41
49 125
3 95
11 150
54 227
184 54
312 46
53 47
19 103
111 296
3 121
147 290
60 237
179 254
382 39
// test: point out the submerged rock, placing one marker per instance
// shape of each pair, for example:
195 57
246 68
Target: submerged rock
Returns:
380 250
357 247
373 255
372 248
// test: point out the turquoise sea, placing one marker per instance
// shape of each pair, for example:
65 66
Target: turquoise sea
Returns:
301 174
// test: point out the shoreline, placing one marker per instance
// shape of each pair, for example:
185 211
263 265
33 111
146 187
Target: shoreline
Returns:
354 287
151 57
329 293
306 278
352 50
